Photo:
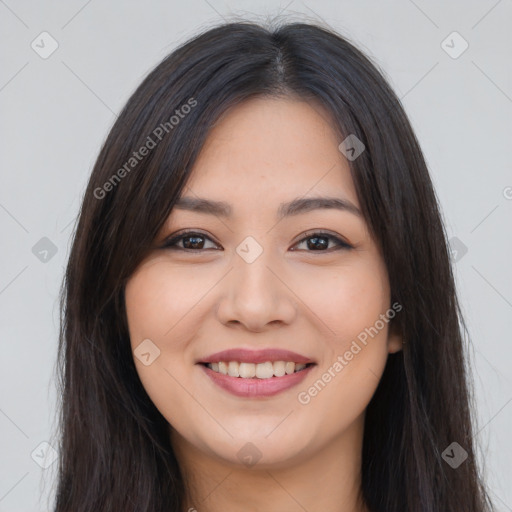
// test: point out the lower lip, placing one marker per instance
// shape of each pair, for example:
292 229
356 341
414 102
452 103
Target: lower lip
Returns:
250 388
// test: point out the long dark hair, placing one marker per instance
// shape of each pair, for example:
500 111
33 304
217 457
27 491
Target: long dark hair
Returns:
115 452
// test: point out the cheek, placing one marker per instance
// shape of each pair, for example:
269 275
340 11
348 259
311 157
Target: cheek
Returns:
349 304
157 307
159 299
343 301
346 378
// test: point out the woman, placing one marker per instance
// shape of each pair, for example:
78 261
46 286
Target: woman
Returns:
259 311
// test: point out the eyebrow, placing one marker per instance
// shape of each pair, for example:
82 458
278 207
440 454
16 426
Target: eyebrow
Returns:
294 207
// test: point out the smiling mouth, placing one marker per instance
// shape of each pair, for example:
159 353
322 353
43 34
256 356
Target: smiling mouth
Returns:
266 370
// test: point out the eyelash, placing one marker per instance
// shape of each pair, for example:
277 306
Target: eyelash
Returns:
171 243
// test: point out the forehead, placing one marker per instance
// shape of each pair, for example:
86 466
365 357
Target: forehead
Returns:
266 149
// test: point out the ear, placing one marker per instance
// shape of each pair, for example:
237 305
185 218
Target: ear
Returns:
395 338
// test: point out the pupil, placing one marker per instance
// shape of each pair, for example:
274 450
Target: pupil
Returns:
318 242
194 244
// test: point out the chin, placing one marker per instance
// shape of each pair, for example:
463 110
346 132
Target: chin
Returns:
259 452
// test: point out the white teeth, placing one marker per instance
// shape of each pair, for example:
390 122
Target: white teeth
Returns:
233 369
289 368
265 370
279 368
247 370
223 368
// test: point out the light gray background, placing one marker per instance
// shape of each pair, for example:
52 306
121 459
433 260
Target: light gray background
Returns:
57 111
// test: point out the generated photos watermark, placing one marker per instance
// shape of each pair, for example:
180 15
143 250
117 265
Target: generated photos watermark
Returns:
304 397
152 141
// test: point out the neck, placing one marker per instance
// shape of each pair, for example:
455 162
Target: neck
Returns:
327 481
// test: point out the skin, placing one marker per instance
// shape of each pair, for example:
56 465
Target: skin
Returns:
310 300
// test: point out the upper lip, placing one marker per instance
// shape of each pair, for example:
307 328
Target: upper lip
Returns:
243 355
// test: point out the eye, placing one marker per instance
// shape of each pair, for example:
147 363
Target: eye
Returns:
196 241
319 242
191 241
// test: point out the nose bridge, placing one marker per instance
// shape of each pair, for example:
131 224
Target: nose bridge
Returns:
253 276
255 295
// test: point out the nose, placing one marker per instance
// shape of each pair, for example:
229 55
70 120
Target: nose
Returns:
256 295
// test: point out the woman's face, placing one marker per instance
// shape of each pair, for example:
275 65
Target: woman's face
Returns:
261 278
